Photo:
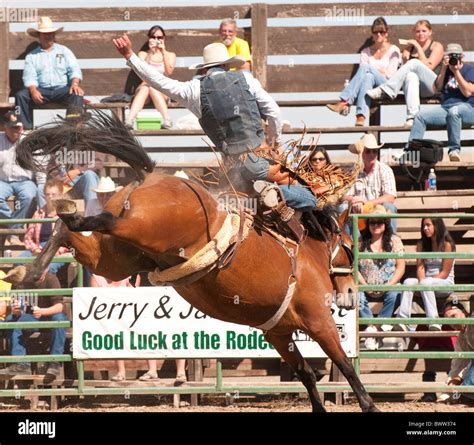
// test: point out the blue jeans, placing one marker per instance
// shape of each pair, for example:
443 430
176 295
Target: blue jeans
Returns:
58 336
454 117
469 379
25 192
389 301
83 185
60 95
53 267
366 78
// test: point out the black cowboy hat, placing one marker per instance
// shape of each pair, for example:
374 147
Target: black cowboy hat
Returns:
75 113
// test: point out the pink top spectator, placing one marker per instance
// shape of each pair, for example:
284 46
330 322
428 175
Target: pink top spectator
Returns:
104 282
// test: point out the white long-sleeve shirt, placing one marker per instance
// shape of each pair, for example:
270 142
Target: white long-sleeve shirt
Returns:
188 93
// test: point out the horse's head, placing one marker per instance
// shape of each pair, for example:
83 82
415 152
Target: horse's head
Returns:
341 261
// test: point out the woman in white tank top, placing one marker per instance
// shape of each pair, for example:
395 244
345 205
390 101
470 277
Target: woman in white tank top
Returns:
434 271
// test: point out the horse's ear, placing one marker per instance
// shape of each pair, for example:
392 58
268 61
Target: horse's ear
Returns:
344 216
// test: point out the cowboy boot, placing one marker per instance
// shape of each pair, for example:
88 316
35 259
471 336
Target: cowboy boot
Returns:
278 212
341 107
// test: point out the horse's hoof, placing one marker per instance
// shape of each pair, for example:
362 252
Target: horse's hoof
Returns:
16 275
65 206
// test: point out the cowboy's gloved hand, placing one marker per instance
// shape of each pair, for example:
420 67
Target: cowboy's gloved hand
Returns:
124 45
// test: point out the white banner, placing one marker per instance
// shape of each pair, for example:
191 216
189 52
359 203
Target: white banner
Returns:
156 323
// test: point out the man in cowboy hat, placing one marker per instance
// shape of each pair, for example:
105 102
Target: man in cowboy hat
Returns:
376 182
14 180
455 82
230 106
51 73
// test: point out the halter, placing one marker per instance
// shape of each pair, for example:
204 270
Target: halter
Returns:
334 250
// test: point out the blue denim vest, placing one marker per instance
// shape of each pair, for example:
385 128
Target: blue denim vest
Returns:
230 115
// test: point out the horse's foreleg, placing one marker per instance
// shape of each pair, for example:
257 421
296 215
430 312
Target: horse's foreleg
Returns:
286 347
331 345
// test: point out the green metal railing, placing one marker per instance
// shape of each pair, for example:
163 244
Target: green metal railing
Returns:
401 287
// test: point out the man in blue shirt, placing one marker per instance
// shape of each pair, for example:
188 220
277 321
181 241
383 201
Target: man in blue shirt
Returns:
51 74
456 83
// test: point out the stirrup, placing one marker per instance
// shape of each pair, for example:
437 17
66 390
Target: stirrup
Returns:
284 218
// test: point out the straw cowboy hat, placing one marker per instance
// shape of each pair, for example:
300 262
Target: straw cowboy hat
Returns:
216 54
368 207
45 24
106 185
368 141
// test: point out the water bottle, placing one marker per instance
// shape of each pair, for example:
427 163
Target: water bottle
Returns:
432 180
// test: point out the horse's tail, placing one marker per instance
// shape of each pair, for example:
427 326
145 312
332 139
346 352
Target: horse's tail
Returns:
101 133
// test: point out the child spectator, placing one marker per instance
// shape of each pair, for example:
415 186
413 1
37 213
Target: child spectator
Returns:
378 63
422 63
38 234
156 55
377 237
431 271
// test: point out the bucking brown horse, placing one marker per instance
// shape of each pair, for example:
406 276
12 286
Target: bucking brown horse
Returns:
168 226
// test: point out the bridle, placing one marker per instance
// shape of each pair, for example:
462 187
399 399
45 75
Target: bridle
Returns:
334 248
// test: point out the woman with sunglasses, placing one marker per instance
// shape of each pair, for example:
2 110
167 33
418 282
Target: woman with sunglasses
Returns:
155 54
378 63
319 159
377 237
431 271
422 60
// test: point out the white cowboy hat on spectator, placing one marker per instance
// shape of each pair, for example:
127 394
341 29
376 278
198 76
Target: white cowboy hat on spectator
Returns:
216 54
454 48
45 24
106 185
181 174
368 141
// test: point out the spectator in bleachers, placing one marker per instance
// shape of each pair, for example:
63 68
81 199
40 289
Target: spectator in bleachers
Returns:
235 45
377 237
157 56
462 369
38 234
34 308
452 309
422 60
15 181
456 83
375 184
319 159
435 237
378 63
51 73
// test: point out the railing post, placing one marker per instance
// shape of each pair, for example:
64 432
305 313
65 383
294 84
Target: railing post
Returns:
259 42
4 66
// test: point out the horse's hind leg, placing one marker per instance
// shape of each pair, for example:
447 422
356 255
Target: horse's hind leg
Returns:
286 347
330 343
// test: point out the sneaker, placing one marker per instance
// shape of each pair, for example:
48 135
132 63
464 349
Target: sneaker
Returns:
409 122
167 124
376 93
118 378
54 368
454 156
17 368
371 343
429 397
360 121
129 124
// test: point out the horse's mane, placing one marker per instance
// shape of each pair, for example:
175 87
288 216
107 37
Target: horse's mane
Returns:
326 218
102 133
